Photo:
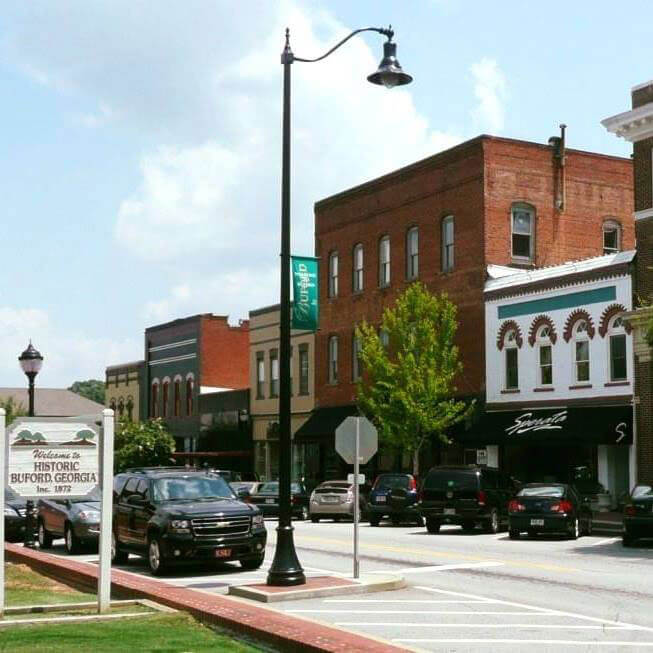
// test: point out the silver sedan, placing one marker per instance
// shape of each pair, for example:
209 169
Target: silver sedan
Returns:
333 500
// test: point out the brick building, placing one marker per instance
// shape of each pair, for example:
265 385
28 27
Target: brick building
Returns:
636 126
125 390
443 220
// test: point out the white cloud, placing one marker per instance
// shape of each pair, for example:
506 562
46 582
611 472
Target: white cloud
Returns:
490 88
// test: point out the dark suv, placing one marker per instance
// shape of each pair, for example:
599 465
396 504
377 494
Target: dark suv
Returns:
394 495
173 516
466 496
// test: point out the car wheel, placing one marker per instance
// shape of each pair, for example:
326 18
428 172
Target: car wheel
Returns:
73 544
374 521
118 556
315 520
419 521
252 563
155 559
492 524
575 529
432 526
513 534
45 539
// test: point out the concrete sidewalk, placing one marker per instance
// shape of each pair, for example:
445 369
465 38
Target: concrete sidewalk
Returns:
285 632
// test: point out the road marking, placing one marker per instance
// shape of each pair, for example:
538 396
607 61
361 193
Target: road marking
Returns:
474 612
403 624
402 601
547 642
467 565
607 540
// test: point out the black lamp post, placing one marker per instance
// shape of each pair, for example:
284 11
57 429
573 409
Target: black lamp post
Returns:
31 361
285 569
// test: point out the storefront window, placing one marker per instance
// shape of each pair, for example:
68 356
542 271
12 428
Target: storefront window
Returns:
618 364
582 352
512 366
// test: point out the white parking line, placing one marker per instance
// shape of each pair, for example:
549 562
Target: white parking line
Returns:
529 642
402 624
607 540
467 565
474 612
402 601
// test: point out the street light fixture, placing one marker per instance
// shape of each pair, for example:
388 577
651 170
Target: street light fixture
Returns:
286 569
30 362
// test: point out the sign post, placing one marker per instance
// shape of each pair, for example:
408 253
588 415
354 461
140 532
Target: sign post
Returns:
106 483
356 441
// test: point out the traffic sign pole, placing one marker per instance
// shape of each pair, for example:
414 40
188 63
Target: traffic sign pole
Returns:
356 505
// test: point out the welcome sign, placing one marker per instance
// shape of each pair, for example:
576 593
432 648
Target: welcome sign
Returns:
305 310
52 458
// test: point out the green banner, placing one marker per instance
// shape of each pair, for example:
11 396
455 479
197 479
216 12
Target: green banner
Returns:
305 309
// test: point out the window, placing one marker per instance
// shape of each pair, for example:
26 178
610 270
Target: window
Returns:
581 352
611 237
357 281
121 407
303 369
384 261
618 363
274 373
166 391
260 375
512 362
177 408
523 230
130 409
333 274
333 359
154 408
384 338
545 356
412 253
447 243
112 405
356 363
190 386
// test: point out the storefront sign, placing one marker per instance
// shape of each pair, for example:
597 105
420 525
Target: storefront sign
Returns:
305 310
526 422
54 459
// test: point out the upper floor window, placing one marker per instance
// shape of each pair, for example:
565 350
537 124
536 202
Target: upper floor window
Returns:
166 397
512 360
177 409
190 386
384 261
581 352
356 363
412 253
154 407
618 361
611 237
384 337
333 359
523 232
333 274
303 369
112 404
545 356
357 280
130 409
447 243
260 375
274 373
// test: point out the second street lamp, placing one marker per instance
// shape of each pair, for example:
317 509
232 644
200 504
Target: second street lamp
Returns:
30 362
286 569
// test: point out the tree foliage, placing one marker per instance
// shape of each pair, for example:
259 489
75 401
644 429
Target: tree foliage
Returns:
407 388
13 409
142 444
91 389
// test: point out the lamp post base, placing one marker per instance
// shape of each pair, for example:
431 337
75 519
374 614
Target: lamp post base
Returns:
285 570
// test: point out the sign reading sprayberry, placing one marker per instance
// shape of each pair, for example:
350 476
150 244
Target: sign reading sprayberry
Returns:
57 459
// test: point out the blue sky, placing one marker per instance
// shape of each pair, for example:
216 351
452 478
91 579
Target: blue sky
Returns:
140 173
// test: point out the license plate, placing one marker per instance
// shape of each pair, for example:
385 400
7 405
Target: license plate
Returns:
269 501
449 511
223 553
380 499
537 522
330 499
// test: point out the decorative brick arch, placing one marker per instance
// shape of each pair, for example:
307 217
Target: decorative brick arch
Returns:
575 316
509 325
608 314
540 321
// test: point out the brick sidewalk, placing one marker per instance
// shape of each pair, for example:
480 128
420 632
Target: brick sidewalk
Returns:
254 621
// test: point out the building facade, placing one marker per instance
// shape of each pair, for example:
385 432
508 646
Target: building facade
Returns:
264 392
126 391
442 221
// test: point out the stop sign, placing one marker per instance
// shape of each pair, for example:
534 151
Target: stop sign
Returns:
346 439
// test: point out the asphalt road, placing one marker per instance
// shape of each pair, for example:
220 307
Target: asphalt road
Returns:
469 592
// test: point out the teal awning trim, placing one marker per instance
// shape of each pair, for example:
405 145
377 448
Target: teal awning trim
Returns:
570 300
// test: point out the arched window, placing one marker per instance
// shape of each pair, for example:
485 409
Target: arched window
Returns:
166 398
412 253
544 356
130 409
611 237
121 408
511 349
333 274
356 363
384 261
177 399
154 407
522 220
112 405
190 386
333 359
581 351
617 349
357 280
447 239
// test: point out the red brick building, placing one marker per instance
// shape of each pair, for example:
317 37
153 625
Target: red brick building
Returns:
443 220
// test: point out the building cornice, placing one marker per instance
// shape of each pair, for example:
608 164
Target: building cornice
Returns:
634 125
643 214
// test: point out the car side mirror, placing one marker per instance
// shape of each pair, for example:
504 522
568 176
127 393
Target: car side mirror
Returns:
243 494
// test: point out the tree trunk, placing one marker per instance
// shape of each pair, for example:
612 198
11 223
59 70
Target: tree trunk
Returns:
416 463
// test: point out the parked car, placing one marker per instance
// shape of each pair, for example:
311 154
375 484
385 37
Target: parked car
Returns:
394 496
549 508
170 517
77 520
592 492
14 516
334 500
638 515
267 499
245 489
467 496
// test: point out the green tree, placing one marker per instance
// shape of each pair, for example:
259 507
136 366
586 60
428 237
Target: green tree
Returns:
407 388
91 389
13 409
142 444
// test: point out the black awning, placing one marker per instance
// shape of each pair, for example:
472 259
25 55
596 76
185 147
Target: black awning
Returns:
562 425
323 422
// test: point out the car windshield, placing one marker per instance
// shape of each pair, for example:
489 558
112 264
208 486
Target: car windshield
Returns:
390 482
642 491
272 487
191 489
556 491
336 484
454 479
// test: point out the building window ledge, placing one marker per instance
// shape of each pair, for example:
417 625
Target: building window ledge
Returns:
543 389
611 384
511 391
580 386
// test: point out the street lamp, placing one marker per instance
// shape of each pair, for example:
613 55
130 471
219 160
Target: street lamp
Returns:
285 569
31 361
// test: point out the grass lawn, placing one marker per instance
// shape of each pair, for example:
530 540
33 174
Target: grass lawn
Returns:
25 587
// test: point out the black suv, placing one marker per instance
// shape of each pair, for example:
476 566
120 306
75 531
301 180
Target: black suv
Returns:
466 496
173 515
